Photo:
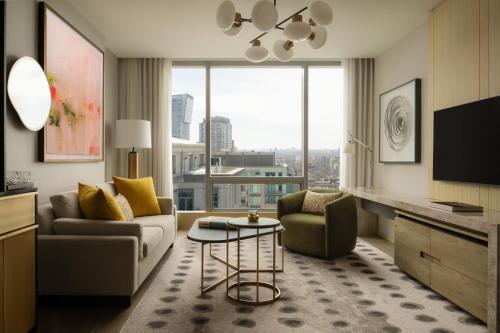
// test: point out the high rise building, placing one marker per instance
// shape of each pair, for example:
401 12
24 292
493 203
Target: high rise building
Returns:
182 113
221 134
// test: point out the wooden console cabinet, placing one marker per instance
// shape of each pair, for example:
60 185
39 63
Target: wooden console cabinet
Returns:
451 262
17 263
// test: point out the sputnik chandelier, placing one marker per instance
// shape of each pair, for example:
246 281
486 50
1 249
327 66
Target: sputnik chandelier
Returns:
265 18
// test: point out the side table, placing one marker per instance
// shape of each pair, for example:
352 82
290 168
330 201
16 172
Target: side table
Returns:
243 223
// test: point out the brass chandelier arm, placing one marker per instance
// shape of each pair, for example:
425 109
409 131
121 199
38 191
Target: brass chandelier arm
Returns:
278 25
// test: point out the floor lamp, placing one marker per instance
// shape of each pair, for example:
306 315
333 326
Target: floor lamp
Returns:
132 134
350 149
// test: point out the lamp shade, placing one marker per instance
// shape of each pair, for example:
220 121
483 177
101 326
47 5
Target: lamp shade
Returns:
133 133
256 52
283 50
297 30
321 13
234 30
264 15
225 15
349 148
318 37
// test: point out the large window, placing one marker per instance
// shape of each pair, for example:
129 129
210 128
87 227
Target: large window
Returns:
240 138
188 152
325 126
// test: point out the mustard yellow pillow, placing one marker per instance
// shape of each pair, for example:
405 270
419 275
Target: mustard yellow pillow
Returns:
140 194
97 204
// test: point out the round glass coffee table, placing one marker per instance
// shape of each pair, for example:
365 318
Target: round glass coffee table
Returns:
243 223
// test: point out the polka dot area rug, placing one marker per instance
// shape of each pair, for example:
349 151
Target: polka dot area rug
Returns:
360 292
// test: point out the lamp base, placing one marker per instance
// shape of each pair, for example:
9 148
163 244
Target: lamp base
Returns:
133 165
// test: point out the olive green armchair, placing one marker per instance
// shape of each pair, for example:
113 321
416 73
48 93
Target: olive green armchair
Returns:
329 236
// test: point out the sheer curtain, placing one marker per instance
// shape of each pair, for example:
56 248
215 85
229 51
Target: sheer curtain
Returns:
144 93
358 115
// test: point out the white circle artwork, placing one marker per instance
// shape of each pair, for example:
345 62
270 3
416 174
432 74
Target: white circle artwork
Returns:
398 122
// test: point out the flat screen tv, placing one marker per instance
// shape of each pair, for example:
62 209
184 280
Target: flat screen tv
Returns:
467 143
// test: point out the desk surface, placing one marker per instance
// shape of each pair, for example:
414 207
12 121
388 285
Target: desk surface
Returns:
421 206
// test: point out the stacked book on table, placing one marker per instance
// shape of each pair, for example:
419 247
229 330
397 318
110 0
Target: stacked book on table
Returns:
214 222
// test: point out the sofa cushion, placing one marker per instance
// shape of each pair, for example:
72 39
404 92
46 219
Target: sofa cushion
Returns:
45 215
98 204
314 203
108 187
163 221
125 207
151 237
304 233
140 194
66 204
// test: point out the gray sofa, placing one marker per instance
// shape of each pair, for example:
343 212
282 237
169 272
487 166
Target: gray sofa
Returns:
79 257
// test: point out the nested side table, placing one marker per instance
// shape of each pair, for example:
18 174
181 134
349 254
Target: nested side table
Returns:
243 223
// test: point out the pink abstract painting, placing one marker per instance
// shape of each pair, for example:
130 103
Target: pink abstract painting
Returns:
74 68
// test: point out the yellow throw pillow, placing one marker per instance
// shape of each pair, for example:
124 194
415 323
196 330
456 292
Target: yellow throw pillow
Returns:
97 204
140 194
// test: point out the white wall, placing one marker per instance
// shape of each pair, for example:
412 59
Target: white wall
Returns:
21 144
402 62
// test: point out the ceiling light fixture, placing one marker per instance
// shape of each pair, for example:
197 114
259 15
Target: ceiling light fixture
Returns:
265 18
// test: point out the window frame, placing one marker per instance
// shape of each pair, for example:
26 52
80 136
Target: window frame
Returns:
210 180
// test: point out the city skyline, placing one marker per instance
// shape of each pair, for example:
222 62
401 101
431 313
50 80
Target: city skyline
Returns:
247 104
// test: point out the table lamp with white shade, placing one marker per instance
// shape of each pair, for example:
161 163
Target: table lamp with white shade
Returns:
132 134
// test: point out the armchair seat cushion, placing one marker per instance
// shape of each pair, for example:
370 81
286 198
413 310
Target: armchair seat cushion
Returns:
304 233
151 238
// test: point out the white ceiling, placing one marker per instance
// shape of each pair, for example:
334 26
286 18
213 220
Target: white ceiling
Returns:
186 29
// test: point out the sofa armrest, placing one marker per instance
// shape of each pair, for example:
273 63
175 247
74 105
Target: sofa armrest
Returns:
87 265
341 226
167 206
291 203
84 227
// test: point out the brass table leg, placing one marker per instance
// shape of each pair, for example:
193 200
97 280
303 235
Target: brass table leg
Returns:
227 259
238 289
202 264
274 263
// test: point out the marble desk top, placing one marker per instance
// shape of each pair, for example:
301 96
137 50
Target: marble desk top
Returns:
481 222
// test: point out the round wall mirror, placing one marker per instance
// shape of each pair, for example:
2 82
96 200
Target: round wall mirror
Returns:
29 92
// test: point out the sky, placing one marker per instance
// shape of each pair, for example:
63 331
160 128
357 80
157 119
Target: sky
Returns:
265 104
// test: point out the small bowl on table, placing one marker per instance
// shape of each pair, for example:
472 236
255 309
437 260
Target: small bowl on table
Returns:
253 218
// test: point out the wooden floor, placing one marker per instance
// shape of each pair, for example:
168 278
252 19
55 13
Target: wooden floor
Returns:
76 318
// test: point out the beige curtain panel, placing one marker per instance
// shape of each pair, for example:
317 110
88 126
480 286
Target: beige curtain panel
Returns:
144 92
358 120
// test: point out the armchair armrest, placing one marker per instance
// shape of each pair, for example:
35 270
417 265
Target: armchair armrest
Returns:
167 206
291 203
341 226
84 227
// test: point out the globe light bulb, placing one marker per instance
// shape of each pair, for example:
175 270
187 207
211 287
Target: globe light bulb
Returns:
256 52
297 30
318 36
264 15
321 13
225 16
283 50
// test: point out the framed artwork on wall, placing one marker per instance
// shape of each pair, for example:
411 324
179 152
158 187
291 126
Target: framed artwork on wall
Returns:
74 66
399 130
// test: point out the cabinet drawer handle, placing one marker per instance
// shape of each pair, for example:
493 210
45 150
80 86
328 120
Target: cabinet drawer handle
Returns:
427 256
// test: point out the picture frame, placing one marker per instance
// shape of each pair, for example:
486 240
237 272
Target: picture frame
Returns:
400 124
74 66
